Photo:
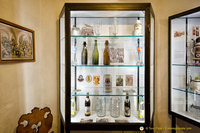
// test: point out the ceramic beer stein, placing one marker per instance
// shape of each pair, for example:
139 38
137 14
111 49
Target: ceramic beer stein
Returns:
194 85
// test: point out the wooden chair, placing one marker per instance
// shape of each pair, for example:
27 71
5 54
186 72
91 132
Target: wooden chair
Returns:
38 121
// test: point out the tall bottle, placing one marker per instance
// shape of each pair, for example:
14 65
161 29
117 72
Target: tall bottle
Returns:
87 105
141 108
127 106
84 54
95 57
106 54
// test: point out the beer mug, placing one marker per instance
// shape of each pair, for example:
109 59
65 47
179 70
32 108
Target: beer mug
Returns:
101 106
107 83
115 103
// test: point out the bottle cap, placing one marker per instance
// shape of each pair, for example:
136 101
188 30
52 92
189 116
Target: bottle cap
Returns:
126 94
87 94
84 43
106 42
138 21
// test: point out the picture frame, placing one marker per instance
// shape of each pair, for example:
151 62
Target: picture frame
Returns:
17 43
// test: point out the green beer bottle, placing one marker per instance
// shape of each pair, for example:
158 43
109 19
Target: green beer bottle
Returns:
95 57
84 54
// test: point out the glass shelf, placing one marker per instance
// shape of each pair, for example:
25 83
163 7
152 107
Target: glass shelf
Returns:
81 114
107 36
189 91
108 65
116 91
188 65
106 94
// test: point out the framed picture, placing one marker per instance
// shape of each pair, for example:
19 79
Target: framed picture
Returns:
119 80
129 80
117 55
17 43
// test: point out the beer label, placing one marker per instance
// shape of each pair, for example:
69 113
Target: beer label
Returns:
107 84
87 109
197 31
80 78
127 109
96 80
194 31
88 78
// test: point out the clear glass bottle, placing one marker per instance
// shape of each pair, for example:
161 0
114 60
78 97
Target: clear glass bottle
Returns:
141 108
115 102
75 30
73 106
101 106
87 105
95 57
127 106
84 54
74 60
140 53
106 54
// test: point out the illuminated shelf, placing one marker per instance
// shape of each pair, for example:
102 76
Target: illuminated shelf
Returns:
132 119
107 36
108 65
105 95
189 91
116 91
188 65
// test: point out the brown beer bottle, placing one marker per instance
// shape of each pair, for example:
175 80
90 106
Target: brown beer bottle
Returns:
127 106
87 105
106 54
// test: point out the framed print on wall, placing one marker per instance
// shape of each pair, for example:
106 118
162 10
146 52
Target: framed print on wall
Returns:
17 43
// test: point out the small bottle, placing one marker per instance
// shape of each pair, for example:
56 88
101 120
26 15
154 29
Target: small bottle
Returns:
73 106
74 55
141 108
127 106
87 105
84 54
75 30
138 28
106 54
95 57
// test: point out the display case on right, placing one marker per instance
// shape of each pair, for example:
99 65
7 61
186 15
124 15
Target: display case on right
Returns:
184 66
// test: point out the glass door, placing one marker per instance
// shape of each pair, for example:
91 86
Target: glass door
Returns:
185 66
62 65
107 66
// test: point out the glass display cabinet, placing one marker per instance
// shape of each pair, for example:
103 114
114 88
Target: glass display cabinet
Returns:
184 65
106 66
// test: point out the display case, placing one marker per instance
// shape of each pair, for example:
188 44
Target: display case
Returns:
106 66
184 65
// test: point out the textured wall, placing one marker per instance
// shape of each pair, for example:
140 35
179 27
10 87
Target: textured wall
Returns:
26 85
